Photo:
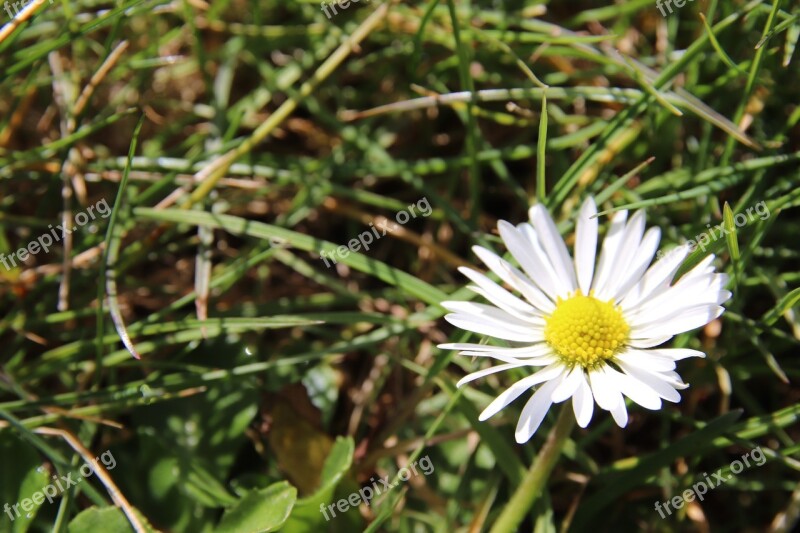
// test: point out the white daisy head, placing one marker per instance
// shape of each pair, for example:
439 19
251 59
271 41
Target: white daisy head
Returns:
588 330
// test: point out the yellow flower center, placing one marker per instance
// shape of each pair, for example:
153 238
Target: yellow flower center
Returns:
585 331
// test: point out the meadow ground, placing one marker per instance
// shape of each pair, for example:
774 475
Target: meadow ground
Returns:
227 229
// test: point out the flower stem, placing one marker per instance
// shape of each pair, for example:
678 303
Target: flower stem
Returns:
535 479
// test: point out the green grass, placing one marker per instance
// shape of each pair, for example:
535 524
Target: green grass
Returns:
236 141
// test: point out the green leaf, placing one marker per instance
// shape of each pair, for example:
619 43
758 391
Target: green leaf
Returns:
20 478
787 302
306 515
338 462
718 47
105 520
260 511
733 243
540 154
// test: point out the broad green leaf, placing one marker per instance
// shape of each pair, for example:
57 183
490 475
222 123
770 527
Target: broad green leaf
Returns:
306 516
20 478
106 520
260 511
97 520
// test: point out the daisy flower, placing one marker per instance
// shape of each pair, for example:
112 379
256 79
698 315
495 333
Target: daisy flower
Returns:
587 330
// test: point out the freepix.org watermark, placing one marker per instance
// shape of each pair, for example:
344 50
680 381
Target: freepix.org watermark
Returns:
364 239
678 3
21 5
45 241
377 488
701 488
703 240
341 4
59 486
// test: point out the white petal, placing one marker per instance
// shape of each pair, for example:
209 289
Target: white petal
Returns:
469 346
586 245
648 342
496 294
529 290
657 277
552 242
637 391
624 256
568 385
493 329
655 381
527 361
611 245
676 300
676 354
534 412
686 320
487 372
583 403
518 388
672 379
604 389
516 279
639 263
702 268
532 259
499 354
644 360
504 305
533 355
532 350
481 311
563 285
620 414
